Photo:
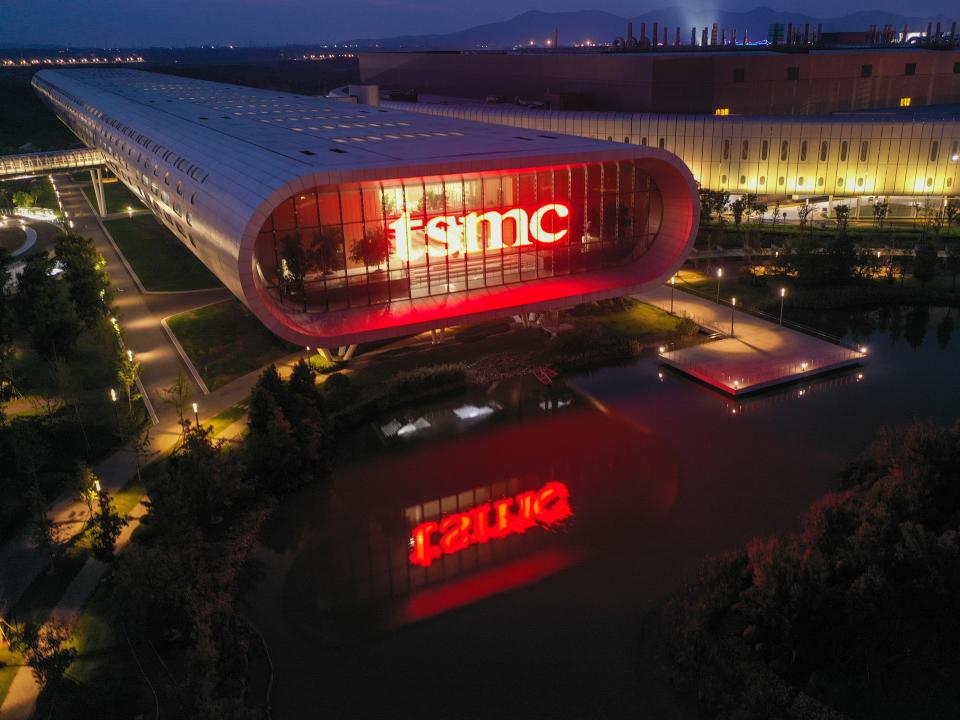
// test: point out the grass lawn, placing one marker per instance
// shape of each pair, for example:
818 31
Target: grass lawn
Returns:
228 417
9 663
225 341
119 198
159 259
639 321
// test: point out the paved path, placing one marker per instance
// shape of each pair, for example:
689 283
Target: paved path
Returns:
761 353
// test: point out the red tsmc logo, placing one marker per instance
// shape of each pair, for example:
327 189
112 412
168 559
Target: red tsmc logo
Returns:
449 235
550 505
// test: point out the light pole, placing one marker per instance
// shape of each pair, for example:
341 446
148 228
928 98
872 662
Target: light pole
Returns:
116 413
196 414
673 285
783 294
719 275
733 310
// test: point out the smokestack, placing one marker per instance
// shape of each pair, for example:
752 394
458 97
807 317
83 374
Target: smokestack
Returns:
733 36
789 33
746 36
676 40
929 29
643 32
723 36
938 30
703 38
714 35
665 36
556 37
819 31
629 33
953 31
693 37
906 29
654 34
806 33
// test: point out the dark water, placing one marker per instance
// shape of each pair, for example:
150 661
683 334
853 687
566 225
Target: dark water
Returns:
539 616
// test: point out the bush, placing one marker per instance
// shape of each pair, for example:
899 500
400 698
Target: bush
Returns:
339 390
414 382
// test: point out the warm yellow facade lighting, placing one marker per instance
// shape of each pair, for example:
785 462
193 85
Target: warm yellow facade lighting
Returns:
905 102
721 111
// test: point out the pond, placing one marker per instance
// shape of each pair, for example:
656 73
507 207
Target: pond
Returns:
494 553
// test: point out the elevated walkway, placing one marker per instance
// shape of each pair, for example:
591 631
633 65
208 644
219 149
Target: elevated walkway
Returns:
43 163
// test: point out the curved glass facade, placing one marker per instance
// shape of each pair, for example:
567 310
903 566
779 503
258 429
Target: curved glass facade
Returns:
345 246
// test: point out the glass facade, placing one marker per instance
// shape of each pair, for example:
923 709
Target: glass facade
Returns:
346 246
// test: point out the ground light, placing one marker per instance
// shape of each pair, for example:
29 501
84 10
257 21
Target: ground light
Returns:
196 414
719 275
733 310
673 286
783 294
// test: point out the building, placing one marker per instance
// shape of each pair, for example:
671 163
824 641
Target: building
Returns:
337 223
790 81
855 155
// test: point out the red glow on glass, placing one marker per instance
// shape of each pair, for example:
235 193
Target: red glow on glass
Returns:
449 235
550 505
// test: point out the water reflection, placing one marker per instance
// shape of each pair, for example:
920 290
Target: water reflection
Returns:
466 509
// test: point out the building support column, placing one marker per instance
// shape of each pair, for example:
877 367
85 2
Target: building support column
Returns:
344 353
97 178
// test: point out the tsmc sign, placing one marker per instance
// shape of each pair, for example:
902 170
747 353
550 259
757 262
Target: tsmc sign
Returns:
447 235
550 505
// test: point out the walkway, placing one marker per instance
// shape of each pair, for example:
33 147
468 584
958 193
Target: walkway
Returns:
760 353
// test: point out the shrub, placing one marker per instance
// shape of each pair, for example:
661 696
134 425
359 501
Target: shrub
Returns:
429 378
339 390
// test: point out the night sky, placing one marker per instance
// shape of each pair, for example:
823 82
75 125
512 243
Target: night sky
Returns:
137 23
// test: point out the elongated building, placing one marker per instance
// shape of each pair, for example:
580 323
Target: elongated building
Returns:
337 223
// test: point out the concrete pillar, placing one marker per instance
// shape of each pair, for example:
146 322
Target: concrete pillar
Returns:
97 178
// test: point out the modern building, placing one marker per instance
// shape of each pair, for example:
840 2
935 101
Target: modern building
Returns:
337 223
787 81
853 155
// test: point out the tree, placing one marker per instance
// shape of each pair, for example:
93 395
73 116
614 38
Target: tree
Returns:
759 209
706 203
43 529
127 373
326 251
372 249
803 212
952 213
45 649
178 394
88 282
107 526
720 202
880 211
842 213
737 207
953 261
925 262
5 203
46 310
23 199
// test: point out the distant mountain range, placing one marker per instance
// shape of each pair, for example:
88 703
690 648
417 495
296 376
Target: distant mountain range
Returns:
603 27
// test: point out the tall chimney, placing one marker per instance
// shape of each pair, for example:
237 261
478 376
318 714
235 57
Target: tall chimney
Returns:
819 31
556 37
789 33
693 37
906 31
806 33
629 33
723 36
664 35
714 36
733 36
929 30
676 40
703 38
938 30
654 34
643 32
953 31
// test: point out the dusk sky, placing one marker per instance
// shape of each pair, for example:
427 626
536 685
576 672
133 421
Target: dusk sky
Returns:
138 23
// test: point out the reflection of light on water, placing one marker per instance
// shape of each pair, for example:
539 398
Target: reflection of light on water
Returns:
555 403
396 428
469 412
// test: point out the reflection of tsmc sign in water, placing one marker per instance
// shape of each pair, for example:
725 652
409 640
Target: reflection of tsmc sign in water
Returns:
547 506
448 235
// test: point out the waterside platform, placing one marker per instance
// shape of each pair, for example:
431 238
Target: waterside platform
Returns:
759 355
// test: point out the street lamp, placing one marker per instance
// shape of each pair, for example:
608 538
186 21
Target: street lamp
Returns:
733 310
719 275
673 286
196 414
130 355
783 294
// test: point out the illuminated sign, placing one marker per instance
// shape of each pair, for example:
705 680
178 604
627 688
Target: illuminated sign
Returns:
550 505
448 235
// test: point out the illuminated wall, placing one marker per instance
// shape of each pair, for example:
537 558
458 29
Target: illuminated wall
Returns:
333 248
851 155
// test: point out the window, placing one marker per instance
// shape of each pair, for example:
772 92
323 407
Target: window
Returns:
844 146
929 182
910 69
764 150
800 181
726 149
738 75
793 72
824 149
763 179
819 182
906 102
626 140
860 182
803 151
643 141
784 150
661 142
934 151
743 179
864 149
745 150
723 179
866 71
839 181
780 180
721 111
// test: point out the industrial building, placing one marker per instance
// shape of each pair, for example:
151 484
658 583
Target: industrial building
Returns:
841 155
337 223
772 81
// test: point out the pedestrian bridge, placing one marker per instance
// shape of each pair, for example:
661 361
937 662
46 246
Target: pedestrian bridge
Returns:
42 163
